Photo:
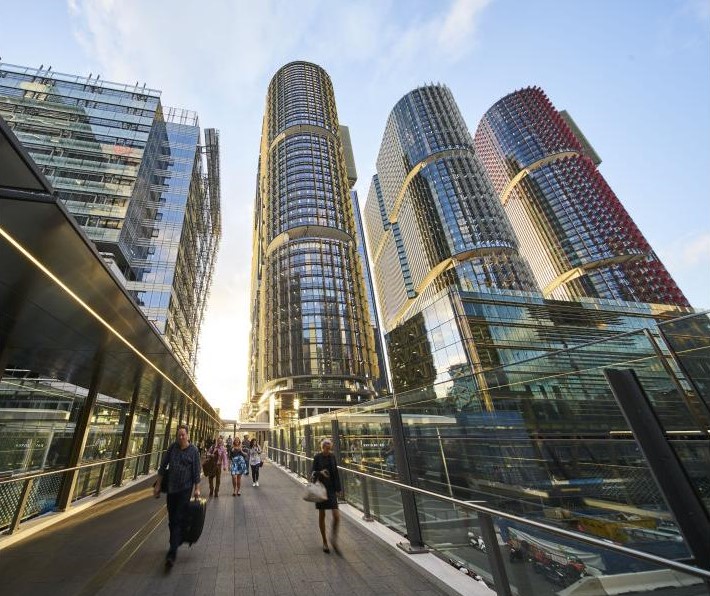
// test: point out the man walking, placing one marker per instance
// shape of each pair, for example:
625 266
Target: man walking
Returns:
182 465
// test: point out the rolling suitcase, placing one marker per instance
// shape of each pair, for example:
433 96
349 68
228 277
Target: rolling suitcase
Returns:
194 520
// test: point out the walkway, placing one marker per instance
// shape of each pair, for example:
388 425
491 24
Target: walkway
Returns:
265 542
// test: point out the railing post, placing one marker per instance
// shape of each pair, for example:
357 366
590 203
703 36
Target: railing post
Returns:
100 482
500 576
168 427
150 440
293 464
366 500
282 445
668 471
308 434
409 502
127 429
335 431
21 503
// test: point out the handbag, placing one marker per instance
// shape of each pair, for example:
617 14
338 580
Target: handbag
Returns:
315 492
209 466
261 463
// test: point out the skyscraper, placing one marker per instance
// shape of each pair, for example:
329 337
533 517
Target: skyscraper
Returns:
137 178
508 380
575 232
380 382
432 216
312 345
457 295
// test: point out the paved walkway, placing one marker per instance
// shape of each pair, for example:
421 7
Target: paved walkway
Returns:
265 542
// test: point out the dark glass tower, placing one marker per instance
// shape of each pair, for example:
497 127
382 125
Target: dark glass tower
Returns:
312 343
136 177
575 232
433 218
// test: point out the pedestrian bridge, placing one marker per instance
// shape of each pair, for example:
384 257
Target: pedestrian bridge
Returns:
265 542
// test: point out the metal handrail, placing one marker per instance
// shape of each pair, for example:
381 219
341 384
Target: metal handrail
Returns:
80 467
682 567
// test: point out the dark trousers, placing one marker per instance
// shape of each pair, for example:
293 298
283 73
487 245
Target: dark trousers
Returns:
255 473
177 509
215 481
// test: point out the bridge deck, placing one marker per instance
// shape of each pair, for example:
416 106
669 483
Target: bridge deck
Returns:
265 542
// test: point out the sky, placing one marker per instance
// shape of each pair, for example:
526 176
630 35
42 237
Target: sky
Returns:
634 74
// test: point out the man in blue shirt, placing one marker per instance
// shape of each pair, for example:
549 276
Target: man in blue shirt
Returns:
182 461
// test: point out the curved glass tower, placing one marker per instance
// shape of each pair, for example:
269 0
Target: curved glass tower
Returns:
312 344
433 217
579 239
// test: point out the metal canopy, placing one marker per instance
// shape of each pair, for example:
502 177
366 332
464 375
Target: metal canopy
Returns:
42 327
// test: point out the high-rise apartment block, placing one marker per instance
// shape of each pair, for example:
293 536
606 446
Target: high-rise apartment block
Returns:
573 229
312 343
139 180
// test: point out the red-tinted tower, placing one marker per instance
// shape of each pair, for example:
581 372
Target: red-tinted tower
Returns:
576 234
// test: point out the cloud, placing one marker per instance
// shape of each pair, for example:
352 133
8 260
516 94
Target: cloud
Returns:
458 27
699 9
688 252
697 251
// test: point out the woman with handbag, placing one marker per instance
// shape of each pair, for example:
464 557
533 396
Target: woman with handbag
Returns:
325 470
238 467
255 462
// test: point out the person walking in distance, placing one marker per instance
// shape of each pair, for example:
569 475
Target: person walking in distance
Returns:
219 455
182 463
245 447
238 466
254 461
325 470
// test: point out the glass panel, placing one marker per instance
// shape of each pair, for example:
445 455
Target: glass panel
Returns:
539 563
38 423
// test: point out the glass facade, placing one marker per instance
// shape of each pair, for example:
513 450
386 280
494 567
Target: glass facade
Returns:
312 343
380 381
578 237
500 388
554 447
131 173
436 221
90 392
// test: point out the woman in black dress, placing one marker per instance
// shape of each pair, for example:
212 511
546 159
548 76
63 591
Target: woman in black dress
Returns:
325 469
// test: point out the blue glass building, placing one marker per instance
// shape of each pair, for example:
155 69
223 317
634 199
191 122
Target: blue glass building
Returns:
138 179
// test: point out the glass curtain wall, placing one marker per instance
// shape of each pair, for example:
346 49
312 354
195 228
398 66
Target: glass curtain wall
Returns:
555 448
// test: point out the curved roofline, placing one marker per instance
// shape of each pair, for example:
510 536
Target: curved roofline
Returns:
293 63
427 86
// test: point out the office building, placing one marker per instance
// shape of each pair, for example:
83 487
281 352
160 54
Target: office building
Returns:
139 180
381 383
578 237
312 344
508 380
